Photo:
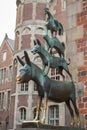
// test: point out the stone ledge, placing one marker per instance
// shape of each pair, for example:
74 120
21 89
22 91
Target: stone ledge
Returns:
39 126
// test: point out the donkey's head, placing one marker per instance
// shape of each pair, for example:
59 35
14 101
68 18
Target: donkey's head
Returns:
37 47
24 72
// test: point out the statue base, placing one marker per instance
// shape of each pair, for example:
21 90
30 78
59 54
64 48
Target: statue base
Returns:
39 126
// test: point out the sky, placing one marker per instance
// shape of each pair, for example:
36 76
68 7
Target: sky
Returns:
7 19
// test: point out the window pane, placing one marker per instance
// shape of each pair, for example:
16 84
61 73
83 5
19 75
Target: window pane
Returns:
35 87
10 73
2 100
8 99
53 115
55 74
4 56
22 87
23 114
26 86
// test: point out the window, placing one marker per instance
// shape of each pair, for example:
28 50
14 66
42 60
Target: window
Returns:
10 73
55 74
1 100
53 115
22 112
24 87
8 100
35 87
4 56
3 75
63 3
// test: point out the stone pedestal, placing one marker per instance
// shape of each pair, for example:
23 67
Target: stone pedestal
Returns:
40 126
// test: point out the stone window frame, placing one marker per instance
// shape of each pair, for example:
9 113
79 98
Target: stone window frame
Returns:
63 5
53 114
24 87
3 75
22 113
4 56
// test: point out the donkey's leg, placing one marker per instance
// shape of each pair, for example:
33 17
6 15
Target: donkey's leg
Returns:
61 72
44 109
71 112
66 69
76 111
38 109
47 69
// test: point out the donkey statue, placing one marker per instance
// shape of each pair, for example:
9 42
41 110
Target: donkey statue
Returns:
48 89
50 61
52 24
54 43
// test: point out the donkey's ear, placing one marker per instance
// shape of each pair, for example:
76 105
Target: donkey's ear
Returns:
27 59
20 60
35 43
38 41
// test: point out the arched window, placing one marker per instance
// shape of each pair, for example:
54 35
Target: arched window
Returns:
22 112
53 115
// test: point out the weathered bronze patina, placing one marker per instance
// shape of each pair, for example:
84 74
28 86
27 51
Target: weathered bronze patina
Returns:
48 89
53 24
53 42
50 61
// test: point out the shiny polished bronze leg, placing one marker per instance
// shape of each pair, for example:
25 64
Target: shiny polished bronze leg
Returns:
72 121
79 121
44 110
38 109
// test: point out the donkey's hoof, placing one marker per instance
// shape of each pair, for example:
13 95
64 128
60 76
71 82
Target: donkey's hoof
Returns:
43 121
72 123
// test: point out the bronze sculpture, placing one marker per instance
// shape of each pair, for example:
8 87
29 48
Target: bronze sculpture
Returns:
47 88
53 24
53 42
50 61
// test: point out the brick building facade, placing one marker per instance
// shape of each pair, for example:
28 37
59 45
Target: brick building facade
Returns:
6 61
30 24
76 50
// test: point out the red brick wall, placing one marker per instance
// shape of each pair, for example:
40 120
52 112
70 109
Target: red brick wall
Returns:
35 98
6 64
23 100
26 39
40 37
27 11
40 11
82 47
60 14
4 114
